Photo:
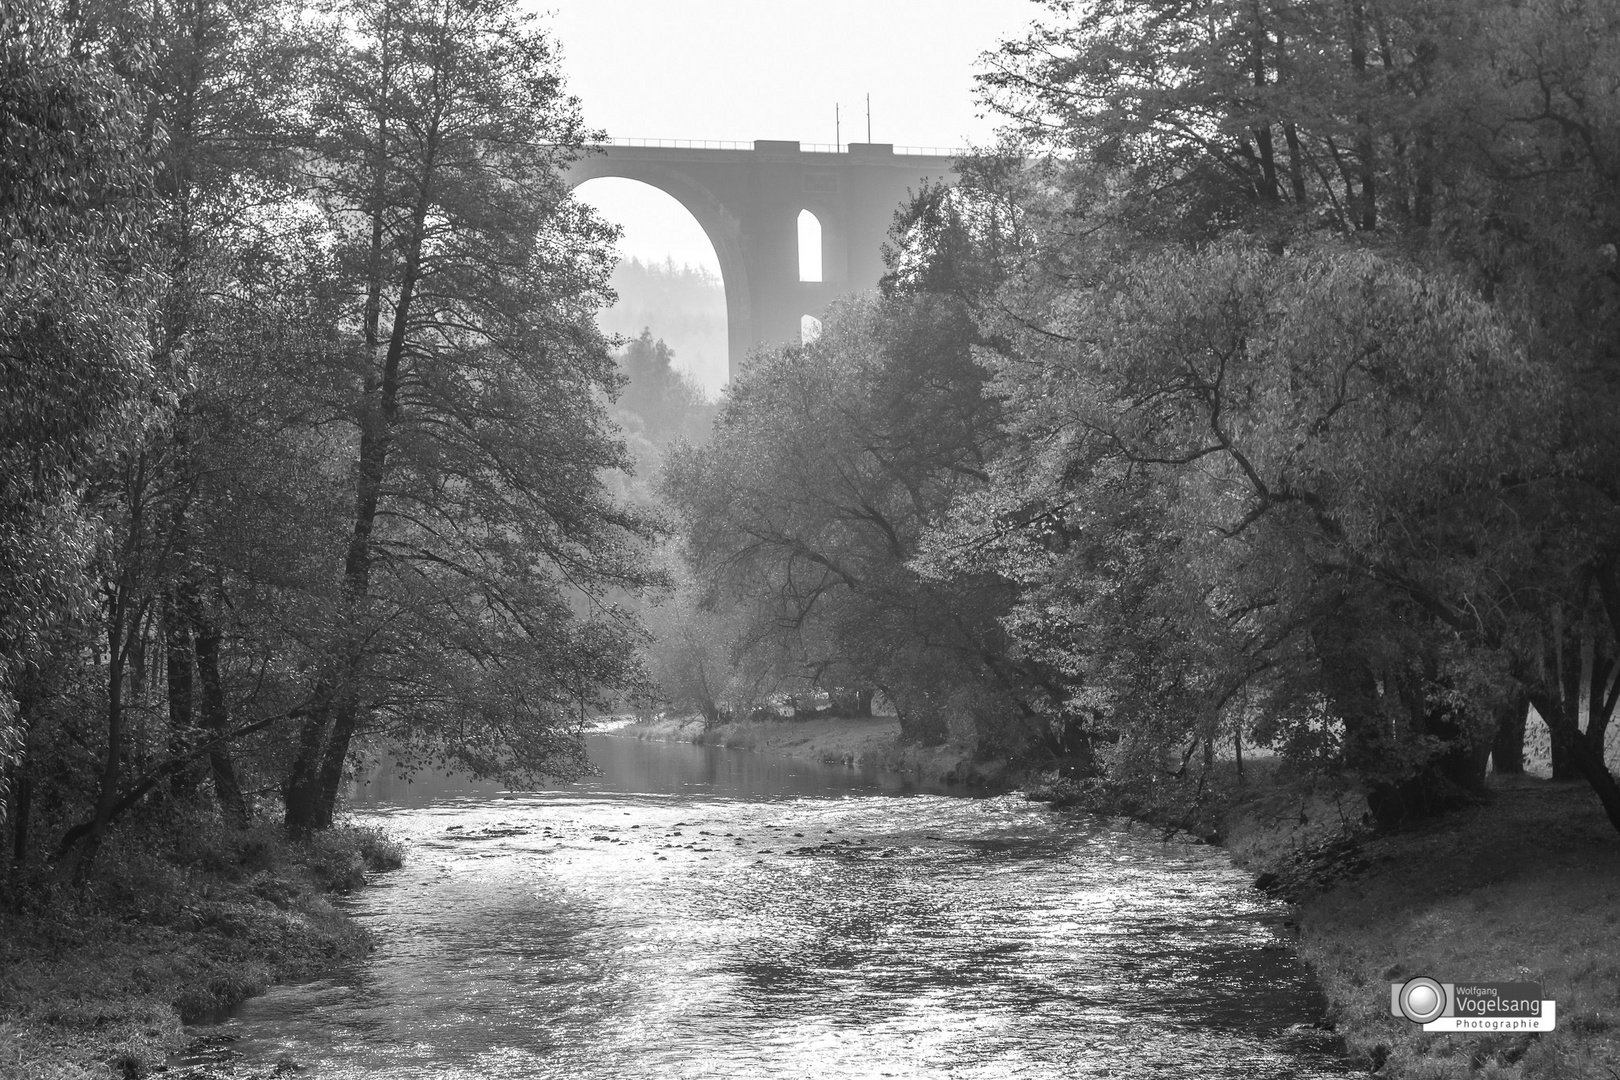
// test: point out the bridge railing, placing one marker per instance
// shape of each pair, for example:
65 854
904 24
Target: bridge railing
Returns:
678 144
915 151
933 151
811 148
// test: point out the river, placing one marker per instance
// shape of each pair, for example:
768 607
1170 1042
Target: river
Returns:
700 912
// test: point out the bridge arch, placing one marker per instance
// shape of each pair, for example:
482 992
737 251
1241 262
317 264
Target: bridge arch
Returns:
722 229
748 202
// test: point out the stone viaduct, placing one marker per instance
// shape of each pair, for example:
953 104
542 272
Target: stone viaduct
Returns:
748 200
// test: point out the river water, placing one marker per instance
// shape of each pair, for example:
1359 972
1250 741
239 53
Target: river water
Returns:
700 912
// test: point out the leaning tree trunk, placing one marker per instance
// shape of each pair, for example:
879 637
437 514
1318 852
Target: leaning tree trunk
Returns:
321 773
1578 749
346 719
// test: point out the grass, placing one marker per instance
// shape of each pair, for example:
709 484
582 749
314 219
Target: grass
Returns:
1524 886
95 981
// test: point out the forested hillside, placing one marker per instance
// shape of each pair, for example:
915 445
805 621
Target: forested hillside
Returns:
683 306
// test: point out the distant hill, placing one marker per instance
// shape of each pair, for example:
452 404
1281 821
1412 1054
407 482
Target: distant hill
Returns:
685 306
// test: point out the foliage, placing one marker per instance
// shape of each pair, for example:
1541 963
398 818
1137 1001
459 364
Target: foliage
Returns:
683 305
1379 514
77 384
828 463
665 403
479 517
1231 471
305 430
1224 115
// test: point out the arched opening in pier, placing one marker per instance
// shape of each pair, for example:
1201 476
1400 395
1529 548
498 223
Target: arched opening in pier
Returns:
809 246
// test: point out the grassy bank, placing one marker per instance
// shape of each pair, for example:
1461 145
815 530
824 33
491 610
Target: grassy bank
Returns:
870 742
1524 886
96 980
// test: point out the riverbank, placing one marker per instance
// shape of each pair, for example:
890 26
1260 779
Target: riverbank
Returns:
868 742
1523 886
95 982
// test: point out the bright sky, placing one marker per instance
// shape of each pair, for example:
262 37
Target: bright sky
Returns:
740 70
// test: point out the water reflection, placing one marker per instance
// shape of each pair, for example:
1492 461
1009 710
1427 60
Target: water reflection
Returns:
633 767
695 912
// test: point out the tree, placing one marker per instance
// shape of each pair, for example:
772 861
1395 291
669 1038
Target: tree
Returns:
479 526
828 463
1278 114
1242 481
76 201
684 305
1463 143
202 72
218 85
667 401
1536 223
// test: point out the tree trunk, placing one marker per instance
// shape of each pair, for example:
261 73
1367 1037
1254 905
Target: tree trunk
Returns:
346 714
311 793
1507 749
124 618
216 718
1603 672
1565 769
177 650
300 792
122 630
1587 761
1296 157
1296 165
1368 205
1262 132
1565 727
22 804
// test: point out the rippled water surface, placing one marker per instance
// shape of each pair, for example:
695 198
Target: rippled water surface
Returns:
697 912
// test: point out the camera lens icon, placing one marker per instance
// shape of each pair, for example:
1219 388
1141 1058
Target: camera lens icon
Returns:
1422 1000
